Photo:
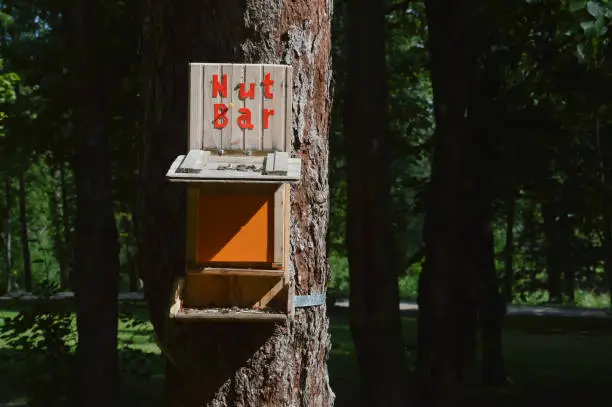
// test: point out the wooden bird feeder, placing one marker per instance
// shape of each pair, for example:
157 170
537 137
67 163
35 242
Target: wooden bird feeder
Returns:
237 172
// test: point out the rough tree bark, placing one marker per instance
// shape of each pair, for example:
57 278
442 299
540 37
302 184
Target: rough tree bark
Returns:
374 293
23 230
96 240
446 320
237 364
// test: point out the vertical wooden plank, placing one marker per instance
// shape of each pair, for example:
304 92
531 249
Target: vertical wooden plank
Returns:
193 199
212 136
289 109
236 141
279 225
226 133
196 108
252 139
274 109
289 279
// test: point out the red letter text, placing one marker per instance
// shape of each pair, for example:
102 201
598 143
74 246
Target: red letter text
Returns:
250 94
220 116
267 83
219 87
266 115
244 120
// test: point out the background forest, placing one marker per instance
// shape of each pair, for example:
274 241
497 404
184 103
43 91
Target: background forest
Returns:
542 80
550 162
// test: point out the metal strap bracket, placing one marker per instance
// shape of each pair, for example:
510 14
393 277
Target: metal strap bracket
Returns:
312 300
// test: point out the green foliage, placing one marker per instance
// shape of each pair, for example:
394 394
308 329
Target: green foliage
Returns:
42 332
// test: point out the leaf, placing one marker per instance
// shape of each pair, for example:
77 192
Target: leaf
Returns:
590 28
577 5
594 9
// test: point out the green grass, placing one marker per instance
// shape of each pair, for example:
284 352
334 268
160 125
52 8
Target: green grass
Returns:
550 360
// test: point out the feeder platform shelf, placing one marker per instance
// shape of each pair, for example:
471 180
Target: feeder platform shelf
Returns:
203 166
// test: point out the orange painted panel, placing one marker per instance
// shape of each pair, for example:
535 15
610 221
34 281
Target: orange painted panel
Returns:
235 228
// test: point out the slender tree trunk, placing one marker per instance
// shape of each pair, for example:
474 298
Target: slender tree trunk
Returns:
479 240
237 364
8 236
374 293
491 312
566 257
446 318
96 240
605 206
509 250
23 228
67 251
553 266
58 236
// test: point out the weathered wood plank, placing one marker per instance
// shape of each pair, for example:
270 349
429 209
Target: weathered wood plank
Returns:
235 272
273 292
253 135
217 314
251 169
273 114
196 107
236 142
226 73
281 162
279 225
212 135
195 161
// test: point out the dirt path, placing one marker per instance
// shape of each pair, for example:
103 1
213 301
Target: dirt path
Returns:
407 306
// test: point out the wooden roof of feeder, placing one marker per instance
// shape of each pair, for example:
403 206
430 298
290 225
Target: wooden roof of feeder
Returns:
203 166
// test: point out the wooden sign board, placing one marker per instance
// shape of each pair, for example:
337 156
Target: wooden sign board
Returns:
240 107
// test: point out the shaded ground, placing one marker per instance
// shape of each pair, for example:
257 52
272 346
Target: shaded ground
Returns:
551 359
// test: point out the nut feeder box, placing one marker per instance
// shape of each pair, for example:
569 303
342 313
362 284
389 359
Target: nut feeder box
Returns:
237 174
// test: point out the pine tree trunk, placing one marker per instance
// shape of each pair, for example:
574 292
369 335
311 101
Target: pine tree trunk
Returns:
23 228
237 364
447 313
96 240
374 292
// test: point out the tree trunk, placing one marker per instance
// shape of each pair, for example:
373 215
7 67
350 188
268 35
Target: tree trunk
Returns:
478 239
567 262
96 240
58 235
553 264
374 292
67 251
23 228
509 250
446 318
8 236
237 364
